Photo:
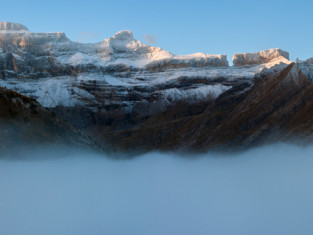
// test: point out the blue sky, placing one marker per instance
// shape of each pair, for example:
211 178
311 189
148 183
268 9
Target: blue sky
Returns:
182 27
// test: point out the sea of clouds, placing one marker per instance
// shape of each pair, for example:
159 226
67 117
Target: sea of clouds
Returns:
261 191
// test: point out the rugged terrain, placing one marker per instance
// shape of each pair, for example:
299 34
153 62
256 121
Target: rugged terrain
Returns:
130 96
25 123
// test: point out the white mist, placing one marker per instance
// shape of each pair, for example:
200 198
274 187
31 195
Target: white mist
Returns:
262 191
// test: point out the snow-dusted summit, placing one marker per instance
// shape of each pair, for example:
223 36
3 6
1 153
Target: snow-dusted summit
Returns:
120 71
12 26
124 49
54 54
259 57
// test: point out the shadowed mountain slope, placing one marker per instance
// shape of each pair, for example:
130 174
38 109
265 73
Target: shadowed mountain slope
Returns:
25 123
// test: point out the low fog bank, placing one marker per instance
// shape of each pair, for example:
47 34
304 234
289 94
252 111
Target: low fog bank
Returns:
262 191
44 152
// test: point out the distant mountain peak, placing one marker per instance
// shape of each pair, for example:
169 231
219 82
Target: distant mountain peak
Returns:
124 35
4 25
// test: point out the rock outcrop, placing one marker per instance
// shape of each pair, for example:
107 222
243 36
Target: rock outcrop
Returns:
12 26
259 57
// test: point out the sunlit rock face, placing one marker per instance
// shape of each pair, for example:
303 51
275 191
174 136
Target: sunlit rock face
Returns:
119 88
259 57
50 54
12 26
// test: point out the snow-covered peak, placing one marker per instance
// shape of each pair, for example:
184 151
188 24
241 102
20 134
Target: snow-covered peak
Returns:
12 26
54 51
124 46
259 57
124 35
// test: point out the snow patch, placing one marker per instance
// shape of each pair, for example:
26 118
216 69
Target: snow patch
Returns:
124 35
50 92
82 59
195 94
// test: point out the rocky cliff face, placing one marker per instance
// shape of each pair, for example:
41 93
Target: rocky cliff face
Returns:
128 95
24 122
276 108
259 57
34 55
12 26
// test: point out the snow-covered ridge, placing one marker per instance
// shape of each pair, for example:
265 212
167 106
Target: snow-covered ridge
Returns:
120 70
123 45
127 50
193 60
12 26
57 51
120 49
23 39
259 57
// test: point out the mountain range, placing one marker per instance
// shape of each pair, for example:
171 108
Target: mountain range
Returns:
122 95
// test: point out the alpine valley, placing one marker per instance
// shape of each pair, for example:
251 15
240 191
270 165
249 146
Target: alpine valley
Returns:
121 95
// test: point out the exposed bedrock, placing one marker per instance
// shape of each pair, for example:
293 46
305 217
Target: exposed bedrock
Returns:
259 57
24 123
277 108
12 26
130 96
52 54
